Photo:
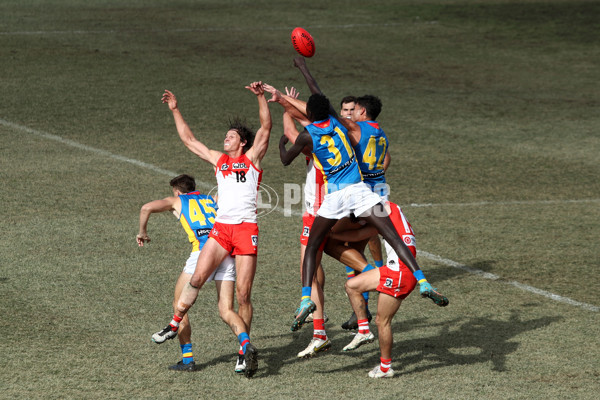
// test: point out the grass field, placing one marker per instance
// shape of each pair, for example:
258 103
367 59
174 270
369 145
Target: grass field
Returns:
493 113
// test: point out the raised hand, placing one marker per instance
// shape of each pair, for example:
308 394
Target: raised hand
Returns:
256 88
275 94
169 98
292 92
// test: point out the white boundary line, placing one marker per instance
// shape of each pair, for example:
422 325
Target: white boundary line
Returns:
422 253
516 284
504 203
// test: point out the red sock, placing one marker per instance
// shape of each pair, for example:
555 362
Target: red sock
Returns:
175 322
363 326
319 329
385 364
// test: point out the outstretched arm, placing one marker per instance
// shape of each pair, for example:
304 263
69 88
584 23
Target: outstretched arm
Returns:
185 133
166 204
297 110
261 140
300 63
287 156
353 130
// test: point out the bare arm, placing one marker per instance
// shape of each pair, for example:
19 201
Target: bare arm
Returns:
186 135
353 130
261 140
300 63
287 156
166 204
387 161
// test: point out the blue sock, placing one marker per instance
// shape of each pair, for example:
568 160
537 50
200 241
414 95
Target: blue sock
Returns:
244 340
379 263
419 276
368 267
186 352
306 292
350 272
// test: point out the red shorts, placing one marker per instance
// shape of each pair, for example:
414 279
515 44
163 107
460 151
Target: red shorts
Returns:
239 239
307 222
397 284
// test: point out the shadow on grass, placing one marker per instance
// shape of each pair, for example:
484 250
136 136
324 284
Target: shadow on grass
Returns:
271 359
462 341
458 342
441 274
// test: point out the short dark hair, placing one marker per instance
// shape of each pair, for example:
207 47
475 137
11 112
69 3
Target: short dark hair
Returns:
246 134
372 105
184 183
347 99
317 107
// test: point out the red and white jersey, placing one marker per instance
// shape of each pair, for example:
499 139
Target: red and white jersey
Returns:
405 232
238 181
313 188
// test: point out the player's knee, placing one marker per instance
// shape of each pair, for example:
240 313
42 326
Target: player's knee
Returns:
182 307
224 313
350 286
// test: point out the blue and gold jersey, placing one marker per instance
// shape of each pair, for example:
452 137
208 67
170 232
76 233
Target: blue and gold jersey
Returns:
333 154
370 152
197 217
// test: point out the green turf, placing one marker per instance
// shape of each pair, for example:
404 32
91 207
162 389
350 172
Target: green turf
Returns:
493 113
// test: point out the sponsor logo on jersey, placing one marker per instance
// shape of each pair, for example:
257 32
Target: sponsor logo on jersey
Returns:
239 165
254 240
202 232
388 283
215 232
306 231
224 167
391 262
409 240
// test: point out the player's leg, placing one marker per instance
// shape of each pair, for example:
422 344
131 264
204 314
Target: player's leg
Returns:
318 233
240 321
245 247
379 218
317 295
319 341
246 270
352 322
375 250
225 294
354 259
355 287
211 256
387 306
184 332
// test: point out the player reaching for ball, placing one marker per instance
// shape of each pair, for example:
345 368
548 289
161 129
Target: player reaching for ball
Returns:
330 143
235 231
371 149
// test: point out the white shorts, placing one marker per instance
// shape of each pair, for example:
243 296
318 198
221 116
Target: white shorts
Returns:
224 272
354 199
